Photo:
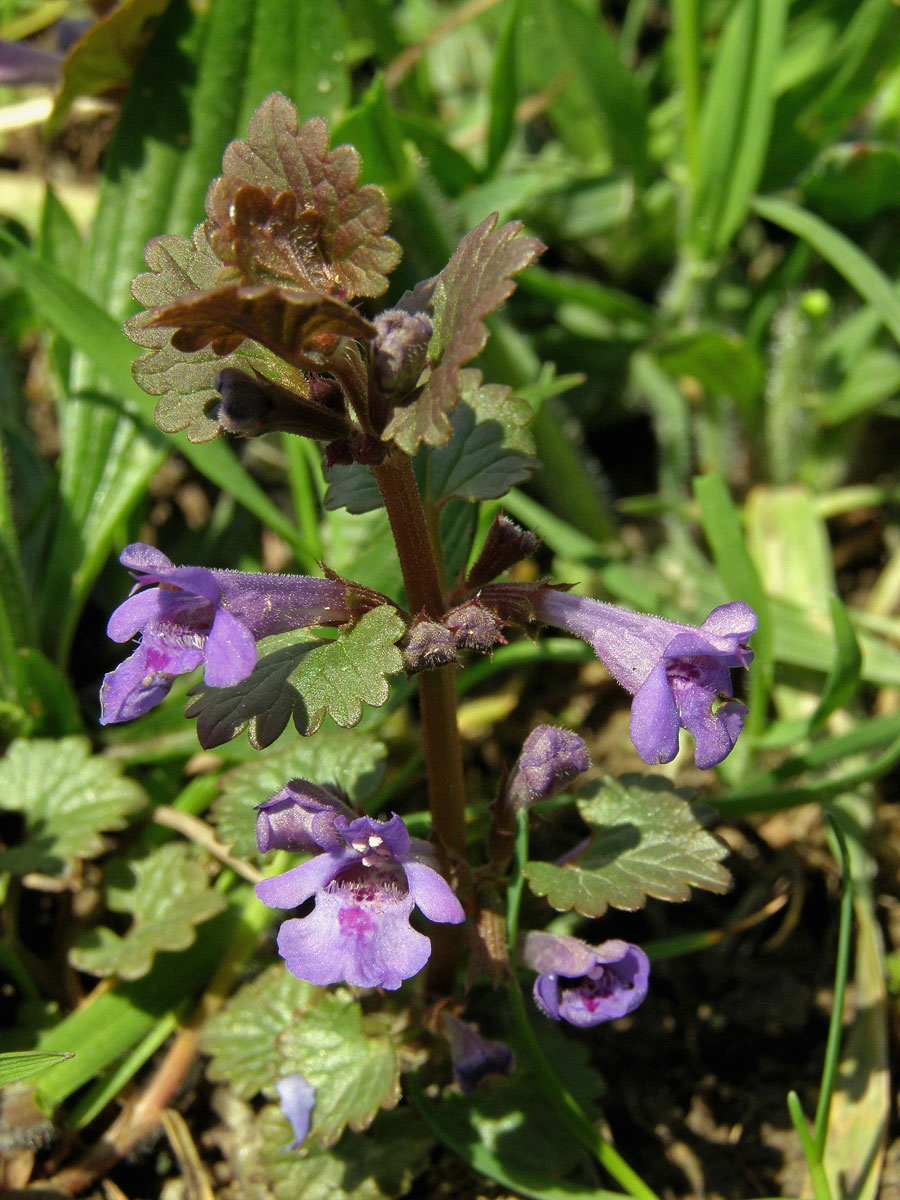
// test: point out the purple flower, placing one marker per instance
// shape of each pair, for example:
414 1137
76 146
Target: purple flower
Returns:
365 891
297 1098
549 760
474 1058
586 985
196 616
679 675
300 817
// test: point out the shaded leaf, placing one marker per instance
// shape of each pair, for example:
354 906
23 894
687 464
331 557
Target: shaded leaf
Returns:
286 208
104 57
476 280
348 1058
185 383
168 893
16 1065
281 319
378 1164
490 449
305 680
853 182
353 761
68 798
646 840
242 1037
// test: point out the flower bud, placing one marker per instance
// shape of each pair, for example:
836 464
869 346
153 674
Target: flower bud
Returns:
399 350
550 759
300 817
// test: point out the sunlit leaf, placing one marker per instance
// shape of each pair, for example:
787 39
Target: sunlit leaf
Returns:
16 1065
168 894
68 797
307 681
646 840
287 208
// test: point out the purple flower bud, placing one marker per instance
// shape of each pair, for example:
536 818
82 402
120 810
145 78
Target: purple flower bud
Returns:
550 759
474 627
297 1099
196 616
586 985
365 891
300 817
251 405
474 1058
679 675
399 350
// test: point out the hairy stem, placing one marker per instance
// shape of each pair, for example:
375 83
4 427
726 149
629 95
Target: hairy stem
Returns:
437 689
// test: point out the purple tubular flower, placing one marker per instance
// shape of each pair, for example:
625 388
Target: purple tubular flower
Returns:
365 891
196 616
300 817
297 1098
474 1058
549 760
586 985
679 675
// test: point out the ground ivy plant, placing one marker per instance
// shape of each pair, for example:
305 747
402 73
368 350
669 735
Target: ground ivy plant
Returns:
262 322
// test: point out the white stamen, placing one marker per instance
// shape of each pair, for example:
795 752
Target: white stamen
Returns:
375 840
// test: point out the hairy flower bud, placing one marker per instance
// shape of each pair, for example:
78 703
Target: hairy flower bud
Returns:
297 1097
251 405
550 759
300 817
399 350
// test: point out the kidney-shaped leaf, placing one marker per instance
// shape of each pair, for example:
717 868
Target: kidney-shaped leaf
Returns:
646 840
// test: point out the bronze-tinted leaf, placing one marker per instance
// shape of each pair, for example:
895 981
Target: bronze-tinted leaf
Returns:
476 280
185 383
287 208
287 322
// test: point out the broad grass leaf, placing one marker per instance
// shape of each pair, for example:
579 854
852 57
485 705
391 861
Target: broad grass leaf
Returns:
68 797
16 1065
168 894
646 840
353 761
287 208
476 280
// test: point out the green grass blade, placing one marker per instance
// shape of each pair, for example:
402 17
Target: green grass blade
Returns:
686 31
843 676
504 91
16 1065
736 120
847 259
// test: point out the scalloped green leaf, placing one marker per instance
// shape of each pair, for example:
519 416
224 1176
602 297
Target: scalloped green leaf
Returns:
352 760
68 797
348 1058
647 839
286 208
476 280
241 1039
168 894
305 680
377 1164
